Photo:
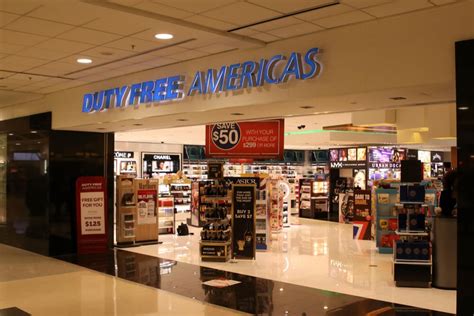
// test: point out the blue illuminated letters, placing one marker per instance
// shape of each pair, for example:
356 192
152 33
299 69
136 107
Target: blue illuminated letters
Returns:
274 70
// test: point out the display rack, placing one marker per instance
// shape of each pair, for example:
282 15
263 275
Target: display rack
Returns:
275 204
126 209
166 217
182 196
215 241
320 198
196 171
305 198
386 219
262 227
412 253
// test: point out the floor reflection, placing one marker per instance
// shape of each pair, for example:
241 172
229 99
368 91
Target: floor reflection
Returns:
251 295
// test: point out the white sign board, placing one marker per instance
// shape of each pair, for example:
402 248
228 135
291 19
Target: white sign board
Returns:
92 213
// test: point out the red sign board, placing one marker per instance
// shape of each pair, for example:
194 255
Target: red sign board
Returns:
253 140
91 215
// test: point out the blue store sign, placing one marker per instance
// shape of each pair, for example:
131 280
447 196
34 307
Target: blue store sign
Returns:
276 70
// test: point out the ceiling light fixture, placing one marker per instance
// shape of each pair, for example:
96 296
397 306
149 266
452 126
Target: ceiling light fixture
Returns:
236 114
34 132
182 120
163 36
84 61
306 107
463 108
397 98
10 134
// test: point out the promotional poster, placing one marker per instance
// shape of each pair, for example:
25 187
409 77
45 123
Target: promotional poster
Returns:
243 221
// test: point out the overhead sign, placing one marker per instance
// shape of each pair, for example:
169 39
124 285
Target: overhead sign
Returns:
275 70
123 154
259 139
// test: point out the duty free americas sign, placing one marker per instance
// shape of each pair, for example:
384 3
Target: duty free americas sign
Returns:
275 70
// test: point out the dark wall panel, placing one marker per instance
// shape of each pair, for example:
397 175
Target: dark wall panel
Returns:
465 139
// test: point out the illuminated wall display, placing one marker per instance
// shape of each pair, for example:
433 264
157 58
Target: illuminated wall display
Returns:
275 70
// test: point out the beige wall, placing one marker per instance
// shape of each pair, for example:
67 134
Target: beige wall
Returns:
407 53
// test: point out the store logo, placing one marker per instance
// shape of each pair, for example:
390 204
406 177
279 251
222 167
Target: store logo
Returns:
337 164
161 157
275 70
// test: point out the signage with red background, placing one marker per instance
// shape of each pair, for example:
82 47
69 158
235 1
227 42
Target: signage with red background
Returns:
91 215
258 140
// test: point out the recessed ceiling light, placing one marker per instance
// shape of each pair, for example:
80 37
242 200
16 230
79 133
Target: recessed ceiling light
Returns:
138 124
10 134
34 132
18 144
236 113
101 128
182 120
38 142
325 307
106 53
307 107
163 36
463 108
397 98
84 61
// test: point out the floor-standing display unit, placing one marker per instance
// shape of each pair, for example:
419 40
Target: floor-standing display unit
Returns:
305 186
262 226
182 196
275 200
412 253
125 210
215 244
386 218
137 210
166 215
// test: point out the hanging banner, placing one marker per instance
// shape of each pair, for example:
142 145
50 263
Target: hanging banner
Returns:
258 140
243 221
91 205
362 215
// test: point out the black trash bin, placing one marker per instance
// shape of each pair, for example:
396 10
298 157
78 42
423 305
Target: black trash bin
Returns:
444 252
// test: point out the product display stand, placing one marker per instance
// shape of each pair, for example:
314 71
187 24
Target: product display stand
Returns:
261 220
412 255
215 241
182 196
386 219
275 200
166 217
126 210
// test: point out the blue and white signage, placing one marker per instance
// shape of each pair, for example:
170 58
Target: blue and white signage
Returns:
275 70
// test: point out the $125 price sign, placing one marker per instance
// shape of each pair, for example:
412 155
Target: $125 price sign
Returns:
254 140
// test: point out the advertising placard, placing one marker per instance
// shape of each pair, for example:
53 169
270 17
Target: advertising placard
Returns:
146 206
91 205
259 140
243 221
215 170
362 215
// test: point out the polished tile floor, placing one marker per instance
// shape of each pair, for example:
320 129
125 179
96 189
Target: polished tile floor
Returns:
39 285
315 254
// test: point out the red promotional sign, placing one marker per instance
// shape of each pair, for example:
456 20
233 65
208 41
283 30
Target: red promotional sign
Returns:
91 215
253 140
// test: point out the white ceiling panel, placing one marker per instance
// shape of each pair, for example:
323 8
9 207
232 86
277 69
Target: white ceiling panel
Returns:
56 68
245 31
190 54
19 6
324 12
19 38
212 23
26 89
198 43
295 30
344 19
122 24
276 24
163 9
132 44
10 83
169 51
241 13
286 6
442 2
216 48
397 7
13 97
107 53
6 48
48 82
89 36
195 6
159 61
62 86
38 27
6 18
364 3
28 79
265 37
69 12
61 45
48 54
19 63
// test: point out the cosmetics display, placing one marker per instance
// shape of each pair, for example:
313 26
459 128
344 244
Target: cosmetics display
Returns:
214 211
166 216
182 196
412 253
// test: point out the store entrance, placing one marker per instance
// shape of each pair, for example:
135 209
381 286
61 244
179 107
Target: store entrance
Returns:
327 157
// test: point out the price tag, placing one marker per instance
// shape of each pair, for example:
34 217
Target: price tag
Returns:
226 135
